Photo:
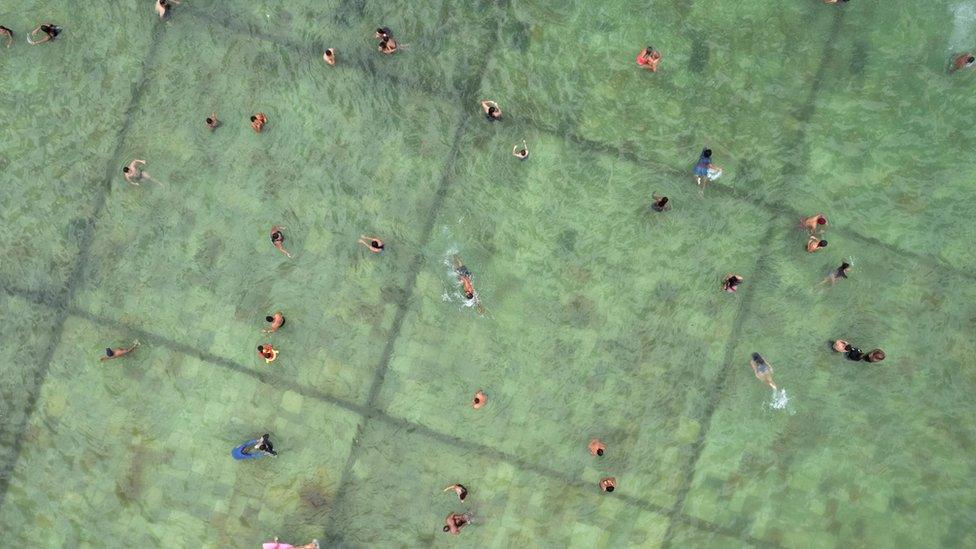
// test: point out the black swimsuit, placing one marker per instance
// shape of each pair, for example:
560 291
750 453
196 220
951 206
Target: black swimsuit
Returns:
50 30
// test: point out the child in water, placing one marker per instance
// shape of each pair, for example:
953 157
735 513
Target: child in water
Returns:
762 369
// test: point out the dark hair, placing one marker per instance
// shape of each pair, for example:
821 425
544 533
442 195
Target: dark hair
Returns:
649 48
969 59
125 169
492 109
822 244
609 488
477 400
109 351
269 318
876 355
447 528
329 51
260 347
253 118
599 451
844 265
663 201
210 120
469 295
707 153
848 347
757 357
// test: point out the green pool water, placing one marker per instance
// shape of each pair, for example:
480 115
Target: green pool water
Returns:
602 318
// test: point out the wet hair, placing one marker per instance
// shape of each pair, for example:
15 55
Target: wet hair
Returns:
125 169
492 109
969 59
707 153
254 118
848 347
649 48
822 244
663 201
844 265
109 351
261 348
599 451
757 357
469 295
269 318
477 400
447 528
609 488
329 52
210 120
732 281
821 220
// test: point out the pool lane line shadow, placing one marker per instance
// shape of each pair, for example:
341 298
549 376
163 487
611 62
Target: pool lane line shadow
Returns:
61 302
153 339
626 151
465 98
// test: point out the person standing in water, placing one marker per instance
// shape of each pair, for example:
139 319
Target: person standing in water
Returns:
372 243
455 521
814 223
119 351
814 244
212 121
134 173
648 58
330 56
522 153
660 203
276 320
705 171
8 34
762 369
263 445
278 239
608 484
491 110
479 400
458 489
597 448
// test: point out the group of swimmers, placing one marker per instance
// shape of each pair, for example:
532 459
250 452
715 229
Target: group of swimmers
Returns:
50 31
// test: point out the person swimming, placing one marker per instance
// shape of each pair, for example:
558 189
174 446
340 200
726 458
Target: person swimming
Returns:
762 369
278 239
608 484
455 521
9 34
280 545
853 353
731 282
814 223
660 203
263 445
277 320
258 121
597 448
268 353
704 170
876 355
329 56
50 30
522 153
163 6
134 173
212 121
840 273
963 61
372 243
119 351
814 244
648 58
479 400
491 110
389 46
383 33
458 489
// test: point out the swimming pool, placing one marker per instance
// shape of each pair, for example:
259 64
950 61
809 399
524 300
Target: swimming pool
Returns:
602 318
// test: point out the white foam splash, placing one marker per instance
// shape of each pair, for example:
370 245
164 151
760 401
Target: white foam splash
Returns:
779 400
963 27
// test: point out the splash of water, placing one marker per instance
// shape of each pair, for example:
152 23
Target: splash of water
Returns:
963 26
779 400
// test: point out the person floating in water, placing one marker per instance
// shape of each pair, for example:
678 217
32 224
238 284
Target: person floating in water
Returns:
268 353
479 400
258 121
814 223
608 484
963 61
522 153
648 58
491 110
163 7
212 121
840 273
134 173
762 369
705 171
814 244
876 355
279 545
372 243
458 489
660 203
8 34
464 277
276 320
50 30
330 56
263 445
278 239
387 43
455 521
731 282
119 351
597 448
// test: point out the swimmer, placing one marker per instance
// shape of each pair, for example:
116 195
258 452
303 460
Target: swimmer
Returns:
389 47
479 400
840 345
212 121
464 277
258 121
268 353
814 244
660 203
840 273
383 33
277 320
50 31
329 56
522 153
9 34
119 351
702 168
134 173
372 243
163 7
280 545
608 484
731 282
762 369
853 353
876 355
491 110
648 58
963 61
458 489
455 521
278 239
597 448
813 223
263 445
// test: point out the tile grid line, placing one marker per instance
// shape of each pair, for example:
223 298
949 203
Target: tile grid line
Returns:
265 376
623 151
61 301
